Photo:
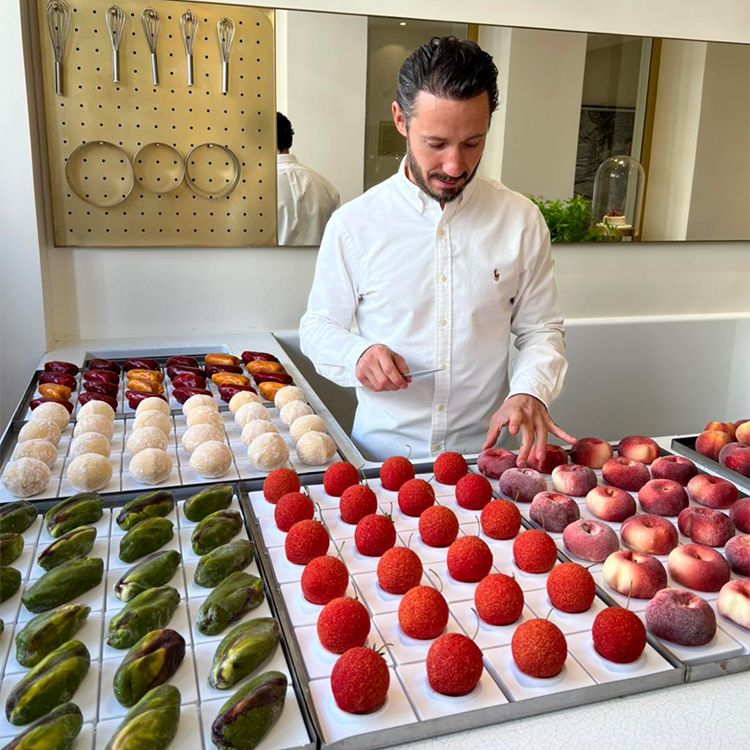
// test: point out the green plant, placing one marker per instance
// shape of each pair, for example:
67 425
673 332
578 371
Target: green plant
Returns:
569 220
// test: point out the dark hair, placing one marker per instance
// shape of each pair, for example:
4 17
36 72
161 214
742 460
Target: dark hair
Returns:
447 67
284 132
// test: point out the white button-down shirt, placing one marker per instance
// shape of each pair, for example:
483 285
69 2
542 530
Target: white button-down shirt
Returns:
305 201
443 288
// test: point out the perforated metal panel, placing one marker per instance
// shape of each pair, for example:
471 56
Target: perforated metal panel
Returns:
134 113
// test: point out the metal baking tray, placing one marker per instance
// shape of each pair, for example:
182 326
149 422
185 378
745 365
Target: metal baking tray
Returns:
728 653
182 474
200 702
685 446
426 715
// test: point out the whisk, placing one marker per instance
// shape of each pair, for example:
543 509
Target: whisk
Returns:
225 32
189 28
58 19
115 25
150 22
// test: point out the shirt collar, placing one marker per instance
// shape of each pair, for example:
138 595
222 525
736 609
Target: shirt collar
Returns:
286 159
422 201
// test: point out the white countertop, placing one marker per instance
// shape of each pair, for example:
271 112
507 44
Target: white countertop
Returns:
709 714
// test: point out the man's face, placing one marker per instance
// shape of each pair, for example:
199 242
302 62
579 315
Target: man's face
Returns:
444 142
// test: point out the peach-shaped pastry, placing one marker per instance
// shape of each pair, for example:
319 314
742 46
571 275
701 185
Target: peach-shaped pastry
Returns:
494 462
590 540
706 526
710 443
742 434
638 448
573 479
522 485
713 492
590 451
652 535
736 456
677 468
663 497
681 617
610 503
618 635
740 515
634 574
738 554
727 427
734 602
553 456
553 511
698 567
625 473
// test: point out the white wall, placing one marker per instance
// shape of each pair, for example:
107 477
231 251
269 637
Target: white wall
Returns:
676 126
327 120
721 181
125 292
543 112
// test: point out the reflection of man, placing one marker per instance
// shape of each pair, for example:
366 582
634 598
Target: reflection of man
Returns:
306 199
439 268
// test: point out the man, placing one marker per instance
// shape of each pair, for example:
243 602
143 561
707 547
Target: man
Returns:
438 267
305 198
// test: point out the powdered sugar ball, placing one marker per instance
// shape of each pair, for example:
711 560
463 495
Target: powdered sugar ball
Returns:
241 398
40 429
204 415
89 472
100 408
151 466
42 450
153 418
294 410
153 403
308 423
211 459
315 448
287 394
268 451
256 427
25 477
94 423
198 401
248 412
56 413
201 433
90 442
146 437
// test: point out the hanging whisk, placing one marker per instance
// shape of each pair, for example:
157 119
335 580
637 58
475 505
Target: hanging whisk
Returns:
150 23
58 20
189 27
225 32
115 25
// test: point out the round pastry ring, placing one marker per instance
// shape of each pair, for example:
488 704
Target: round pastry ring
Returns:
158 167
93 167
202 157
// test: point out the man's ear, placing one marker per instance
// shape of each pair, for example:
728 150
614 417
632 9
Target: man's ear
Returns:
398 118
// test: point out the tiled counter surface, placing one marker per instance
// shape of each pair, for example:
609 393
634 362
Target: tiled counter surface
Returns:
709 714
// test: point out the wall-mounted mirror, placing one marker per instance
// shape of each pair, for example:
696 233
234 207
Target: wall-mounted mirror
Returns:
569 101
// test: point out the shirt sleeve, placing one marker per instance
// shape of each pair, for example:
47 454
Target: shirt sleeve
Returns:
537 321
325 331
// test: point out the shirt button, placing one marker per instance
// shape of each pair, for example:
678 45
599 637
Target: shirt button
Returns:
443 277
441 232
442 321
441 407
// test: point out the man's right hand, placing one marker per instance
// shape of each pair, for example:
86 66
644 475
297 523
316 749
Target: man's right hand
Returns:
380 369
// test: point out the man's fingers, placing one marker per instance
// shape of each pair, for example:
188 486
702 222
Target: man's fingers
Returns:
559 432
526 442
386 360
514 421
540 447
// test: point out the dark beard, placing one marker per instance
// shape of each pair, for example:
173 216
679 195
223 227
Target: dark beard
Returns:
444 195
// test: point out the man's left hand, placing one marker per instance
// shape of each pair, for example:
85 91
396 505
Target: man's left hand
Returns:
528 415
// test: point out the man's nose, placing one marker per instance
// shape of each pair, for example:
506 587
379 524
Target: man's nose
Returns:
454 164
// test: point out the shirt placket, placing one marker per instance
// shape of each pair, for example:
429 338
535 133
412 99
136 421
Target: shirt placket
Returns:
443 334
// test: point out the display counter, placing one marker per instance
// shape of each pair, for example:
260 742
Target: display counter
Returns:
704 712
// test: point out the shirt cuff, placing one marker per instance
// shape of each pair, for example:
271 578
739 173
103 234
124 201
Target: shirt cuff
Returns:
356 351
537 390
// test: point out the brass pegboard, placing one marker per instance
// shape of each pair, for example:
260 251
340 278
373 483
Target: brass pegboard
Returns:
134 113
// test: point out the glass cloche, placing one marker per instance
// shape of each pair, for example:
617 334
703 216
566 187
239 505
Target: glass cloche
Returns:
618 195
